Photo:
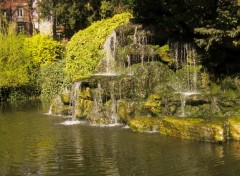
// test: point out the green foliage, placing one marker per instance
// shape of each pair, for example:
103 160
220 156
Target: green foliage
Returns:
227 16
153 104
13 61
164 52
229 83
52 79
85 48
145 124
79 14
106 9
215 89
45 55
21 60
210 22
42 50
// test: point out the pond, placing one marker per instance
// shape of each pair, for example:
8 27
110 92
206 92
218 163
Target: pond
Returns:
34 143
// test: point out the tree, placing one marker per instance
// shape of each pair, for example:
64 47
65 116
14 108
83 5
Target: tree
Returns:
73 15
78 14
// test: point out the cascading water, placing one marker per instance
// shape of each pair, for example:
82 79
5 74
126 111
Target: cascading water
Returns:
74 98
185 57
113 106
166 81
73 104
110 49
113 92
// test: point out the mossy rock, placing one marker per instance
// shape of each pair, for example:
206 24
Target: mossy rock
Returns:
58 108
153 104
61 110
126 110
193 128
85 93
83 108
65 98
234 128
145 124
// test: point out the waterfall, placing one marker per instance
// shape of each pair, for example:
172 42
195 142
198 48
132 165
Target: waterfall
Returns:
74 98
110 48
186 76
215 107
185 57
113 106
50 110
135 35
183 104
96 111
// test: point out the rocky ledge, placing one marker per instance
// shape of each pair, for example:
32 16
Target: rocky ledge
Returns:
190 128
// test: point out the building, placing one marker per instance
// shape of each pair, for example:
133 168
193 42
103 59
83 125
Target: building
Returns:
19 12
23 13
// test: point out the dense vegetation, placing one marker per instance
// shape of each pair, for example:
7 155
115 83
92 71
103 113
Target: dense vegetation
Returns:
28 64
79 14
214 25
21 60
86 47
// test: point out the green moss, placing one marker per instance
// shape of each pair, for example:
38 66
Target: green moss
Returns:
125 110
83 108
85 93
234 128
153 104
81 78
144 124
164 53
65 98
215 89
60 109
193 128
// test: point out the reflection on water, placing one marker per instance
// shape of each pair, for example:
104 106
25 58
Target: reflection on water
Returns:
32 143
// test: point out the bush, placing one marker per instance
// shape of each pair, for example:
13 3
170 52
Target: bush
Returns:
13 61
85 49
42 50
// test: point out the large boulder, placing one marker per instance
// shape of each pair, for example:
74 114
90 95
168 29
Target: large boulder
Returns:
193 128
187 128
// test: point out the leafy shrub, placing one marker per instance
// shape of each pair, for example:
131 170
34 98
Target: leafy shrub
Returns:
52 79
21 60
42 50
45 54
85 48
13 61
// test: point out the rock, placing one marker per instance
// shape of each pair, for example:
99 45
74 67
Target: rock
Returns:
129 109
187 128
65 98
145 124
83 107
234 128
193 128
153 104
58 108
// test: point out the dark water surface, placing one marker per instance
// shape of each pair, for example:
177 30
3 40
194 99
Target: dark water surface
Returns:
33 143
